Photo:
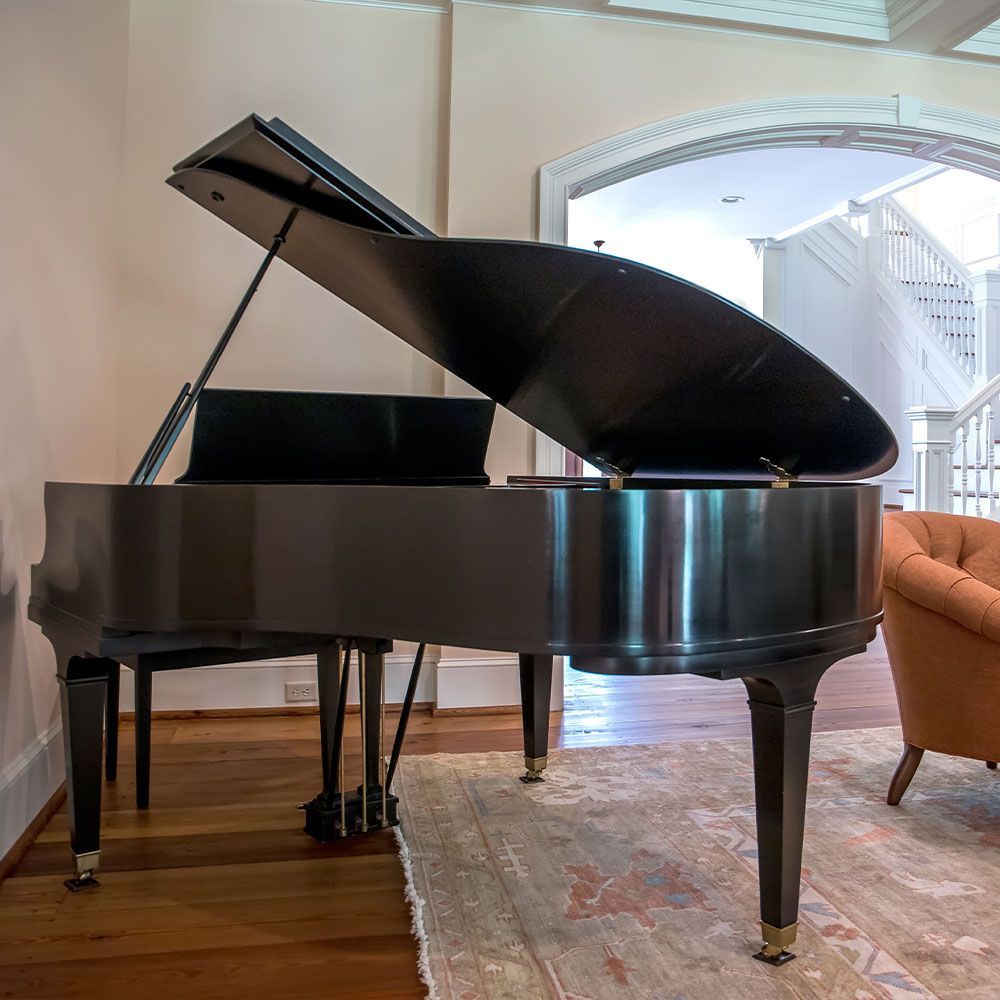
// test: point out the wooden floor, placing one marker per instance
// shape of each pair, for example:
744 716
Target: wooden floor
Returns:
215 893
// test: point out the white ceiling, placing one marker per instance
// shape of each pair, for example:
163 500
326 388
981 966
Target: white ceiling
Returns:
782 188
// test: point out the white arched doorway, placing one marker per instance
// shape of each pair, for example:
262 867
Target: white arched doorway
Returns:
901 124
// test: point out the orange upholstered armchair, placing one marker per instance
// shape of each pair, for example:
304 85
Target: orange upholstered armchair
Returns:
942 631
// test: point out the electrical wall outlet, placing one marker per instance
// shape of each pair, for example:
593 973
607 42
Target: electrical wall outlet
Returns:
300 691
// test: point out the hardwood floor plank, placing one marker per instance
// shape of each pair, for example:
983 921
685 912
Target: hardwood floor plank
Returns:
215 893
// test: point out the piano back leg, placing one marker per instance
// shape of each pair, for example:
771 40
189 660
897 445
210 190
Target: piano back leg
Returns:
781 702
83 682
536 698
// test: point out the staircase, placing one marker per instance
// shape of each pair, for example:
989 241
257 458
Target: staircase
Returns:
956 462
935 284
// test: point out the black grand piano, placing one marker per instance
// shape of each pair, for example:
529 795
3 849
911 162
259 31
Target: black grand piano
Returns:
719 540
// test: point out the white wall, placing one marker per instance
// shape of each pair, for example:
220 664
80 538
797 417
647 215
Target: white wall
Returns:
962 210
62 77
364 83
816 291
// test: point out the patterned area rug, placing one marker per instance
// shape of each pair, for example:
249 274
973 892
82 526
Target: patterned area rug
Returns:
631 872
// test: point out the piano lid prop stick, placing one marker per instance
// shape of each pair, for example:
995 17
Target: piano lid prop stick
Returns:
160 436
166 437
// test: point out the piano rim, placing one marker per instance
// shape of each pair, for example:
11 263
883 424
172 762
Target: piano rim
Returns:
114 638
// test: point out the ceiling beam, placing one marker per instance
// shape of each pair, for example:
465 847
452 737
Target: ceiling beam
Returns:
937 26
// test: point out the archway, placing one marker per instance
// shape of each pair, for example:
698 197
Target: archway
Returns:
901 124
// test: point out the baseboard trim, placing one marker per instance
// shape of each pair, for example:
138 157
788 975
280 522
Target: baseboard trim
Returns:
13 857
259 684
438 713
276 711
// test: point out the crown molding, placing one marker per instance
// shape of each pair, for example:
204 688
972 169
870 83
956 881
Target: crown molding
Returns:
864 20
805 28
984 43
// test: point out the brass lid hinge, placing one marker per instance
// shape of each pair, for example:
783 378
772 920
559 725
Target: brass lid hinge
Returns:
783 476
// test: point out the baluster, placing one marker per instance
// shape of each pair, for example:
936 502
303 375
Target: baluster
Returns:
969 323
922 288
901 265
890 245
963 437
979 463
947 314
991 505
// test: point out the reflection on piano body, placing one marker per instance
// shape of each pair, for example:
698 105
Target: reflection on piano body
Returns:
726 541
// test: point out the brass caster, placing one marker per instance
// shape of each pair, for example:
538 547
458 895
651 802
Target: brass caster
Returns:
776 941
86 868
81 882
533 769
773 955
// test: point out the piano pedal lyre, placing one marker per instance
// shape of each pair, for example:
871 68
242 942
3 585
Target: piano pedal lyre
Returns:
336 812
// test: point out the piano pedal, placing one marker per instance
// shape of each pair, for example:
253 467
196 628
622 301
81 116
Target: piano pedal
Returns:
324 818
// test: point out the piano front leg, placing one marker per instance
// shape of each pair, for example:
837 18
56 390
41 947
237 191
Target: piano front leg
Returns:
83 682
781 702
536 698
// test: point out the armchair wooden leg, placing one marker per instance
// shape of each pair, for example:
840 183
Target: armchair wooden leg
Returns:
991 764
905 770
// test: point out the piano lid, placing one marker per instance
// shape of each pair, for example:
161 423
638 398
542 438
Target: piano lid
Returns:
636 370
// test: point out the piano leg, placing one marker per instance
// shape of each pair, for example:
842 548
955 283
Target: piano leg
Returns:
143 734
781 709
536 697
83 682
111 723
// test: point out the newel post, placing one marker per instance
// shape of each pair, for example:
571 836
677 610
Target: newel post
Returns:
932 459
986 298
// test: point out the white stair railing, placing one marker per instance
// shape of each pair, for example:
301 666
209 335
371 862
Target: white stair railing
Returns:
954 454
931 280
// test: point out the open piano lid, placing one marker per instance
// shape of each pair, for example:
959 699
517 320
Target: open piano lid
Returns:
635 370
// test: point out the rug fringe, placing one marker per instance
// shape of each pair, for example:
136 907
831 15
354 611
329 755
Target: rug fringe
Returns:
417 928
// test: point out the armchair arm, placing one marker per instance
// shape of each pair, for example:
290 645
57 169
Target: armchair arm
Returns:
948 591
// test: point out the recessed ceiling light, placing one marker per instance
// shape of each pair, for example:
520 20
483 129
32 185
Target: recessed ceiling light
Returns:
732 199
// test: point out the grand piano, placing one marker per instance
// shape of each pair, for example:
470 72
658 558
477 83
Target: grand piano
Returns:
726 537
